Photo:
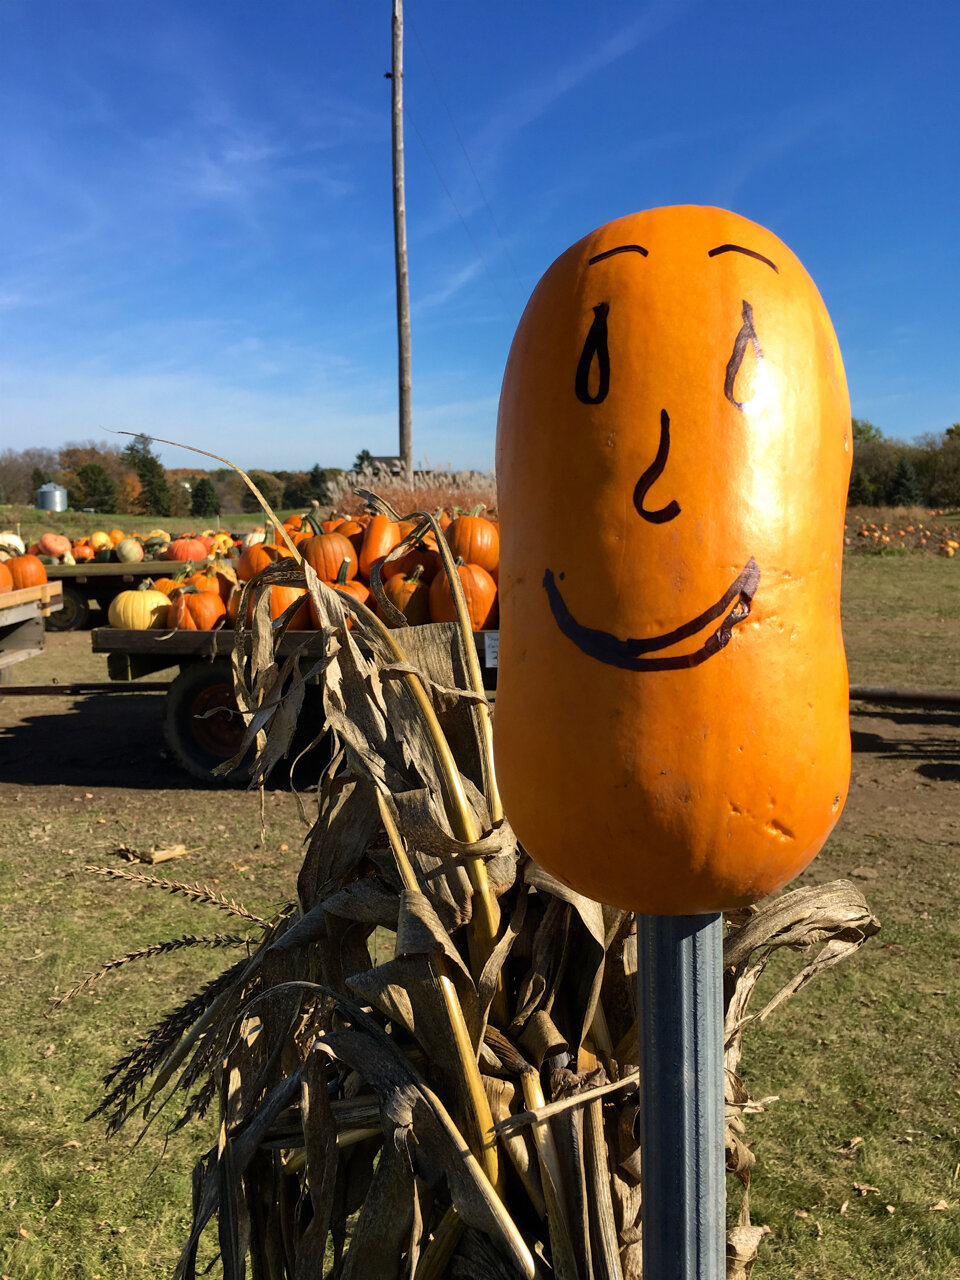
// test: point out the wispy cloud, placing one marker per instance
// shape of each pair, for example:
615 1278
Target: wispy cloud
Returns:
520 109
447 288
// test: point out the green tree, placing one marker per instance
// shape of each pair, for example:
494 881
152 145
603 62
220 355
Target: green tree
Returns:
154 496
904 490
206 501
363 459
864 430
40 477
95 488
297 490
269 486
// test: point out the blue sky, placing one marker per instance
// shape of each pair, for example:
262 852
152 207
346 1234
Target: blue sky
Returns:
195 201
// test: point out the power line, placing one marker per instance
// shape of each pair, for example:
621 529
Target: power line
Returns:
446 190
524 289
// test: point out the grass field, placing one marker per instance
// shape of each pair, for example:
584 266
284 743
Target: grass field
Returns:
76 524
858 1163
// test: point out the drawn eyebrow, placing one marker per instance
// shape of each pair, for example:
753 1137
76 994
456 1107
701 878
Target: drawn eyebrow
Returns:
621 248
738 248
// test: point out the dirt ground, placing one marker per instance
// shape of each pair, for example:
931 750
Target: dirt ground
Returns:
906 762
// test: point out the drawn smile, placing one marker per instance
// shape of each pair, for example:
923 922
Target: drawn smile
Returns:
732 607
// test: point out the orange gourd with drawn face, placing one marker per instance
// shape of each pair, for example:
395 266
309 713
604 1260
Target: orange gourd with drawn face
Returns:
671 729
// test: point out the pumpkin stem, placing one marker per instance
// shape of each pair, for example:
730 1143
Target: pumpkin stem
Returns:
481 506
342 573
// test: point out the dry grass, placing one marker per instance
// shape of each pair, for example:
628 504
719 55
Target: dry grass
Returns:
428 491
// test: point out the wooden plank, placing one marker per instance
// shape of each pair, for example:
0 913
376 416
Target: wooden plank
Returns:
23 639
189 644
115 569
49 595
81 689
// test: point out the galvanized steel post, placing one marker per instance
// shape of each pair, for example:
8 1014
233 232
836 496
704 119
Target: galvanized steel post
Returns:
680 989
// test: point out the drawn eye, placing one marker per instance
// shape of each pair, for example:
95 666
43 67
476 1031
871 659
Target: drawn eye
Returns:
595 352
747 336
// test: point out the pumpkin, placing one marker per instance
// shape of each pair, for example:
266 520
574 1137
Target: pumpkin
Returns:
186 549
129 551
203 581
671 733
12 542
116 536
479 589
168 585
157 535
98 540
410 593
327 552
53 544
82 551
281 597
423 552
379 538
254 560
6 578
139 609
475 540
252 538
192 610
26 571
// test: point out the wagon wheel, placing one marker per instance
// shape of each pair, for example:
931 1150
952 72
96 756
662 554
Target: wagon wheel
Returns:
73 614
201 724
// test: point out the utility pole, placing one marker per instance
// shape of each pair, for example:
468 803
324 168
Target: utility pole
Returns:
400 249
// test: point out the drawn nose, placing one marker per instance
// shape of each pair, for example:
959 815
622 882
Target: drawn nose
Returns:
652 474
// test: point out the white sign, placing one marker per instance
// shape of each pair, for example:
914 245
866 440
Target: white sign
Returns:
491 648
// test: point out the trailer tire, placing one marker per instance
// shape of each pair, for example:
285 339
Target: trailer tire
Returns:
198 740
73 614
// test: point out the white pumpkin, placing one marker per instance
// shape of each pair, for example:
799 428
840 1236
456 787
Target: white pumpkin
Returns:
12 542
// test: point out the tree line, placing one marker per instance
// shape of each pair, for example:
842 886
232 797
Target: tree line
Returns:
894 473
133 481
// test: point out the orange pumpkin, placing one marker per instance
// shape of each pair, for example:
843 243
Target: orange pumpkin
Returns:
475 540
193 610
6 578
281 597
26 571
54 544
379 538
326 554
186 549
479 589
672 691
351 587
255 559
410 593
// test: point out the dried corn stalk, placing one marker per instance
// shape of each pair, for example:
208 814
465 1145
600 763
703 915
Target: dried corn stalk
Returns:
467 1109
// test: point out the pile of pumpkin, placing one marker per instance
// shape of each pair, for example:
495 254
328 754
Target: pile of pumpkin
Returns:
344 552
18 567
115 546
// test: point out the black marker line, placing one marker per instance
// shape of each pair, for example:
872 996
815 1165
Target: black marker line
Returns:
746 334
738 248
621 248
628 654
595 345
653 473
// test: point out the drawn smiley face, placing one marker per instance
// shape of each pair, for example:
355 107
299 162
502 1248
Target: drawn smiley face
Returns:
670 331
591 387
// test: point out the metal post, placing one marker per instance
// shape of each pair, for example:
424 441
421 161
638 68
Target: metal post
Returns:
682 1169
